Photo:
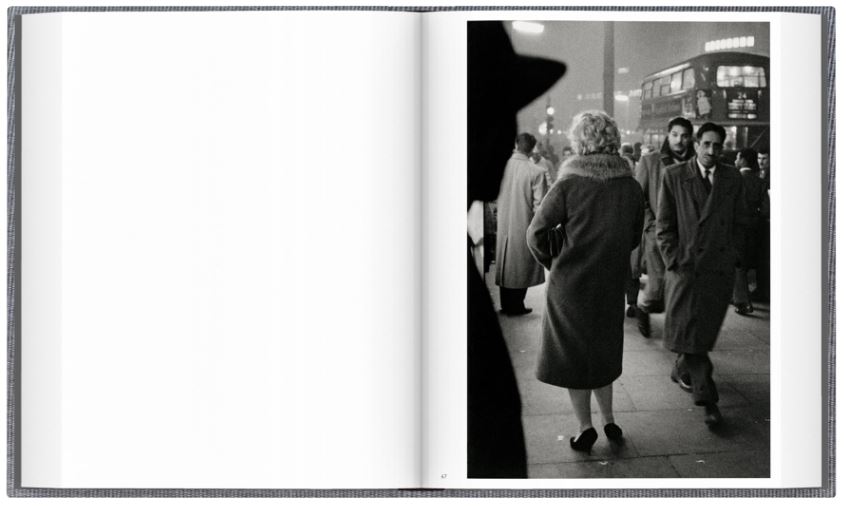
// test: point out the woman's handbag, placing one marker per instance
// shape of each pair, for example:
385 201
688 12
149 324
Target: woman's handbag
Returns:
556 240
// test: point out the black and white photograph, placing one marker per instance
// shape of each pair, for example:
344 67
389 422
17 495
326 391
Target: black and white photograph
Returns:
619 236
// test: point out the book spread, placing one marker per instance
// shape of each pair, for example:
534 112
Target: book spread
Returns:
378 249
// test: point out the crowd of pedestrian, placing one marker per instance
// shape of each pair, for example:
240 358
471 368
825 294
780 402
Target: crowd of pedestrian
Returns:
607 213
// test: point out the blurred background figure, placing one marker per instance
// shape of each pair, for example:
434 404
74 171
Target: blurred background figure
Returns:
583 233
542 159
627 152
476 233
762 272
638 146
758 206
523 187
764 164
495 75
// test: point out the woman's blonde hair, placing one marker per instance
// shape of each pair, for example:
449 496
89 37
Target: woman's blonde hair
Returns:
594 132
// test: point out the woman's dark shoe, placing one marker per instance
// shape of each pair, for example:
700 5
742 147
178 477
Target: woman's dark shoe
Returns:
585 441
613 432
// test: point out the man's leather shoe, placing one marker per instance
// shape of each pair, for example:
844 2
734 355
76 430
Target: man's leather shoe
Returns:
683 381
643 324
713 417
631 311
743 308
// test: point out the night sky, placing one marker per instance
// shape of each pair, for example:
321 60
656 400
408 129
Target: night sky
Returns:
642 47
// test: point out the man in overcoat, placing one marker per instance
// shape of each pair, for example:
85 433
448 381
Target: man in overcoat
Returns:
677 148
701 212
523 188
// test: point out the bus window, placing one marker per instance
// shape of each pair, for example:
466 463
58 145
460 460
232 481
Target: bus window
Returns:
664 83
735 75
647 90
687 80
676 82
731 138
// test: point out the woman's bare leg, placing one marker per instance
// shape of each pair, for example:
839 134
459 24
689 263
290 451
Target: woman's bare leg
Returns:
581 405
605 398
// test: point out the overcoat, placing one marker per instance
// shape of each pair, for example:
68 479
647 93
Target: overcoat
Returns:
699 235
583 233
523 188
758 206
648 172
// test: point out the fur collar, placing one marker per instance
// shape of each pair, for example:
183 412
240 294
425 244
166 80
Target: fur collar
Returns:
598 166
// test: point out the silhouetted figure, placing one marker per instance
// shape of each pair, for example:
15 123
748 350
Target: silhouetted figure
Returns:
499 83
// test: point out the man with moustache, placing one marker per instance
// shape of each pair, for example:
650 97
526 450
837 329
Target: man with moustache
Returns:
676 149
701 214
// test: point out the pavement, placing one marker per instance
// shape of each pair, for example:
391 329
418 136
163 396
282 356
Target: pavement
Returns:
665 435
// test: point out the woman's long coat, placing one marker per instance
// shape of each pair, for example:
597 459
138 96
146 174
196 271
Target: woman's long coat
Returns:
699 235
523 188
584 233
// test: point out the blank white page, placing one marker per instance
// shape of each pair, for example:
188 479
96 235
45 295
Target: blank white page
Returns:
221 249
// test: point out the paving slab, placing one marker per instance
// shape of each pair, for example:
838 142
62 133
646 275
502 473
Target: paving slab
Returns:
741 361
647 362
665 434
754 387
540 398
647 467
684 431
548 441
741 464
655 393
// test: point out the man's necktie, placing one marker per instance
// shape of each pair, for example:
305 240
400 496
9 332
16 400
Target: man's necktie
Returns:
707 181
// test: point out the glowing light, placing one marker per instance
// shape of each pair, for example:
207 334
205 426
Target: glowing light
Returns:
542 128
550 110
529 27
621 98
730 43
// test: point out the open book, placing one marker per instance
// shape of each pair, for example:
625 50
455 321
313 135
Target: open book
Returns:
240 240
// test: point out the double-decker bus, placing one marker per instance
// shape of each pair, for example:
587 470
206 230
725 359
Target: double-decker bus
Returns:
727 88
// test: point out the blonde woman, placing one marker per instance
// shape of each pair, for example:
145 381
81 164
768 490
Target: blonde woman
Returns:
584 232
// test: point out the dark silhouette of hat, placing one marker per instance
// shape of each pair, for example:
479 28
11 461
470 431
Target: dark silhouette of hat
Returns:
500 82
496 70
